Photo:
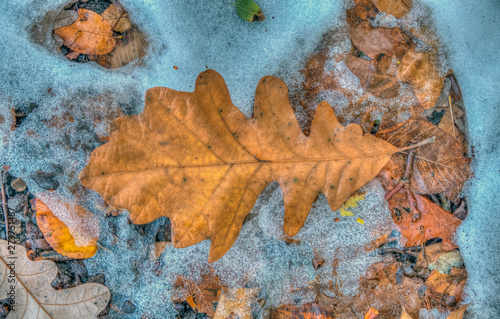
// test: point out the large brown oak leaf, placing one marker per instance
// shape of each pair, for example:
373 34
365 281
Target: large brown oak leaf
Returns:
195 158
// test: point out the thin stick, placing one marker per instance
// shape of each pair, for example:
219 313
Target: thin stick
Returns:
424 142
452 120
4 206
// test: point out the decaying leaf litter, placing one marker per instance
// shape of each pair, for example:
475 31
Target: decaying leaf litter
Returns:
408 189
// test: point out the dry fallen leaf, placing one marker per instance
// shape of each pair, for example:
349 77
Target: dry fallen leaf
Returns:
434 221
374 42
440 167
385 288
442 284
459 313
129 48
118 18
363 10
373 76
59 236
195 158
237 302
90 34
397 8
419 69
200 297
34 296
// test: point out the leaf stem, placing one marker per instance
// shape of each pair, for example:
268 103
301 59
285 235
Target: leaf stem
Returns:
424 142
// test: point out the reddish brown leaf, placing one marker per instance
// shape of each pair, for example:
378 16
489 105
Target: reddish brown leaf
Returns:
434 221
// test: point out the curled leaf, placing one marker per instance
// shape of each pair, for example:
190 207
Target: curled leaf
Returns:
249 11
59 236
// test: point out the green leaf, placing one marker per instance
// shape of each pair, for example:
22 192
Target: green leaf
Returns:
249 10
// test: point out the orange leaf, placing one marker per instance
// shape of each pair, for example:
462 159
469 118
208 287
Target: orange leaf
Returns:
90 34
59 236
371 314
433 222
195 158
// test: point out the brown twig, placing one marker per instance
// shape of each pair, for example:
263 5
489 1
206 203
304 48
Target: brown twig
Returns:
452 120
4 205
429 140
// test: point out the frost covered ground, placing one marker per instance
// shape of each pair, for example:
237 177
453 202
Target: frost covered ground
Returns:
195 35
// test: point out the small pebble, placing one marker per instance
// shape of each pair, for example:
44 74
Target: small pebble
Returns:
18 184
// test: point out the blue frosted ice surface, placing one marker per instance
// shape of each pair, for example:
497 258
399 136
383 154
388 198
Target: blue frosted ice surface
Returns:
470 30
194 35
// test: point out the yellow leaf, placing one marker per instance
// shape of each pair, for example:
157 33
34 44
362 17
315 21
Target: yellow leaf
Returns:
195 158
351 203
359 220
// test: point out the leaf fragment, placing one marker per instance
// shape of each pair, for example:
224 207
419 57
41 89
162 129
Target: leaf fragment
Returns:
35 298
351 203
89 34
195 158
249 11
